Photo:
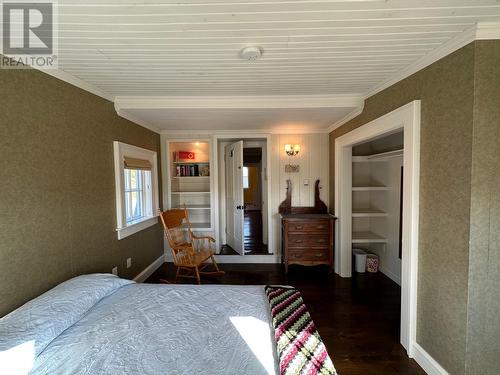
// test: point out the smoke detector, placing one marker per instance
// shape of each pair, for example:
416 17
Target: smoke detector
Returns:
251 53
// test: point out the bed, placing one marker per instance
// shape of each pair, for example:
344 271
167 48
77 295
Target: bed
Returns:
101 324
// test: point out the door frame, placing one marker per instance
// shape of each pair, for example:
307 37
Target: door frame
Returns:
217 196
406 118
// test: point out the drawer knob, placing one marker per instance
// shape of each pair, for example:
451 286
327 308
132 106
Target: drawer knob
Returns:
298 241
321 240
320 227
299 227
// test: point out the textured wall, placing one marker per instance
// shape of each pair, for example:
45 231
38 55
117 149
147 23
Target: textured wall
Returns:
446 90
57 202
483 334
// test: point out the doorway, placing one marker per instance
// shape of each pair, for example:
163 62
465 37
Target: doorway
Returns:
253 185
406 119
243 196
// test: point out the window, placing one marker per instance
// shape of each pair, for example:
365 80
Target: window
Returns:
246 183
136 188
137 195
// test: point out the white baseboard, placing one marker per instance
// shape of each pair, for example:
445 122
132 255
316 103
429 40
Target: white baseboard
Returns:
247 259
428 363
239 259
391 275
148 271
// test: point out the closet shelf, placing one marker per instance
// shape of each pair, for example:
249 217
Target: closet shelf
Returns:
368 213
370 188
383 156
367 237
191 162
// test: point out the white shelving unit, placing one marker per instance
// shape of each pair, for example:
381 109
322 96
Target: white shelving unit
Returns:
375 207
369 193
190 182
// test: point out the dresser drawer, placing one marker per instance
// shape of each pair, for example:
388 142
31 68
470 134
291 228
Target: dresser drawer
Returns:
314 240
310 226
308 254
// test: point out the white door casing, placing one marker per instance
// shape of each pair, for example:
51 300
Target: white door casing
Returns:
406 118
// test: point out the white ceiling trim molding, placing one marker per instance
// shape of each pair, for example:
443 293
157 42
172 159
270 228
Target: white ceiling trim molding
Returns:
488 30
350 116
80 83
480 31
239 102
261 132
136 120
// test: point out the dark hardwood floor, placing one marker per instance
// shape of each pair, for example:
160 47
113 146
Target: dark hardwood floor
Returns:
252 234
357 318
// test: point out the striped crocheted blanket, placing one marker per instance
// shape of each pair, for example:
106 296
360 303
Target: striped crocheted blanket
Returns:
300 349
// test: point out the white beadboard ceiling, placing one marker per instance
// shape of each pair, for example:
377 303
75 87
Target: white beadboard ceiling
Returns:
190 48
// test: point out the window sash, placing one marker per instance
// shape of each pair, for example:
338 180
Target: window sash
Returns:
138 195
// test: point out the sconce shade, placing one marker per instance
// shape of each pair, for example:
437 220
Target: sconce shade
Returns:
292 150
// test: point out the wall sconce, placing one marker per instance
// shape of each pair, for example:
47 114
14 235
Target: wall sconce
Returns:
292 150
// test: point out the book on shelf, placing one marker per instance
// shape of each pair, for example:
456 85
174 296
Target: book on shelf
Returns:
187 170
191 170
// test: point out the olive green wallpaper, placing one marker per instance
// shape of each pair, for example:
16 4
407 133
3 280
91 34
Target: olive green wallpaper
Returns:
57 205
446 89
483 333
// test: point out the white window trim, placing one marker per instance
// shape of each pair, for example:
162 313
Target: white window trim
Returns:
122 150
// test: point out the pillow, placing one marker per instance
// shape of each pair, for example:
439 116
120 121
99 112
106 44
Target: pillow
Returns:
42 319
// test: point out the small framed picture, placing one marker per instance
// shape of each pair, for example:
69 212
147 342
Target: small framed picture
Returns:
205 171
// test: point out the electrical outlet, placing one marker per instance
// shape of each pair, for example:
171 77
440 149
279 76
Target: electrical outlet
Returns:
114 271
129 262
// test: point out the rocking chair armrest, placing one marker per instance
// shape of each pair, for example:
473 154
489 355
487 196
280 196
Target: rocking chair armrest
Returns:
211 239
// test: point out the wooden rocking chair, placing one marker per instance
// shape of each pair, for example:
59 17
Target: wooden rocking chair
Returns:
190 252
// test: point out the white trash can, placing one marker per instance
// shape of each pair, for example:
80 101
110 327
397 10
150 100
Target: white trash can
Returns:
359 260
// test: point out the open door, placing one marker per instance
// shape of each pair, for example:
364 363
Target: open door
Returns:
235 205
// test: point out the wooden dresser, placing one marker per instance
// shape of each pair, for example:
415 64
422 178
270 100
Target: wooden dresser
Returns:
307 232
307 239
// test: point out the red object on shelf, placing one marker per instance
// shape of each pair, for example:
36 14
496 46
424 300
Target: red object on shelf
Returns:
187 155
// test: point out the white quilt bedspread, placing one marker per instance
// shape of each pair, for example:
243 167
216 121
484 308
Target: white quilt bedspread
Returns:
168 329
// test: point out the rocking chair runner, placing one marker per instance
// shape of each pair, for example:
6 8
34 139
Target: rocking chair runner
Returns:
189 252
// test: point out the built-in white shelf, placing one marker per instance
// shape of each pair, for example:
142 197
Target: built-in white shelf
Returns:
194 207
367 237
368 213
190 177
383 156
185 186
198 226
190 192
370 188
